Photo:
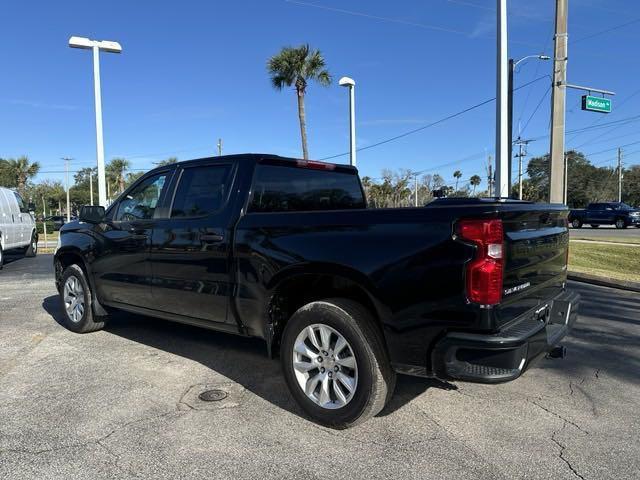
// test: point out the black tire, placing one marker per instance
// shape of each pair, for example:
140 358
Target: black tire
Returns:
621 223
576 223
376 379
32 249
88 321
1 257
594 226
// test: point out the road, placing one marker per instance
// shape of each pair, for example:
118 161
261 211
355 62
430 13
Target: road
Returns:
605 231
122 403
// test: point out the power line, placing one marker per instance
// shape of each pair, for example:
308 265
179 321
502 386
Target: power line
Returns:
432 124
536 109
602 32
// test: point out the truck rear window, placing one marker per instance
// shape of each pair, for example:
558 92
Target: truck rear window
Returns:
290 189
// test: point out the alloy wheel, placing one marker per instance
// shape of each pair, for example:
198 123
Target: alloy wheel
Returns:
325 366
74 299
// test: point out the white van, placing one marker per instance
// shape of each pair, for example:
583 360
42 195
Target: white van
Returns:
17 225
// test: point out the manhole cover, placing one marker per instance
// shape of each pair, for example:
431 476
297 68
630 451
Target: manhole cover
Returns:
212 395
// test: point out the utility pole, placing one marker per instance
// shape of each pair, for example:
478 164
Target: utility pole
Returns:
490 177
219 147
91 187
566 179
66 161
415 183
558 102
619 174
502 103
44 221
520 155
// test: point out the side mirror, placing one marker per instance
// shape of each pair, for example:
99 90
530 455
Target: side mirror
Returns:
32 208
92 214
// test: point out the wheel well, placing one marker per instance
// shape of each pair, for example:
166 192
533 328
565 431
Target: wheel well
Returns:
303 289
65 259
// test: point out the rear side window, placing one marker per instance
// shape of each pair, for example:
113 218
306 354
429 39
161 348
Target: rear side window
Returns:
288 189
201 191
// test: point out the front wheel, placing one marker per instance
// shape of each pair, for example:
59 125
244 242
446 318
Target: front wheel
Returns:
335 363
620 223
75 294
32 249
576 223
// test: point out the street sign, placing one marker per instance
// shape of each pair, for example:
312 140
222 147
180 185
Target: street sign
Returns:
596 104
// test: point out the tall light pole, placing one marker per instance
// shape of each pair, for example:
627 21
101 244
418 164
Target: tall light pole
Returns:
97 46
502 103
349 82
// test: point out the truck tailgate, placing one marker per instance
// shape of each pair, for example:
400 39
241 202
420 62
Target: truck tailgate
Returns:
536 248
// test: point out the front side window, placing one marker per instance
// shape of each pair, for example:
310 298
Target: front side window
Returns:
140 203
201 191
291 189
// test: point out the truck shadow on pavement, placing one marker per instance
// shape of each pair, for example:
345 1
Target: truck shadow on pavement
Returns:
240 359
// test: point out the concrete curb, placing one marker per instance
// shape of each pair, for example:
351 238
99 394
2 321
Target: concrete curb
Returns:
604 282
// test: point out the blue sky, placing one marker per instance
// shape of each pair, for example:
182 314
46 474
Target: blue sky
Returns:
194 71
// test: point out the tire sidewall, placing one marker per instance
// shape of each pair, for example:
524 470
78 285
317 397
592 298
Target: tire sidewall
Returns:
1 257
76 271
338 319
576 223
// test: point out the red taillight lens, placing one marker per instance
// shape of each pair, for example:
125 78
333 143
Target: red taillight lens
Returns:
484 273
315 165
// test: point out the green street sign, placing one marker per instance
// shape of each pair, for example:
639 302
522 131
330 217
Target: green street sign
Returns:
596 104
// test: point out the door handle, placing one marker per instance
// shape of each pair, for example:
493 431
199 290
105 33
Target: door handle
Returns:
211 238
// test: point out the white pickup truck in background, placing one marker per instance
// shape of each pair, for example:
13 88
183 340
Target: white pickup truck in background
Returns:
17 225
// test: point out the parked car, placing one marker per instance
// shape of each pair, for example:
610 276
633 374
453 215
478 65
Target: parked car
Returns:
286 250
609 213
17 225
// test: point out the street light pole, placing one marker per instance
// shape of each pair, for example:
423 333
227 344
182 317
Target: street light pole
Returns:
502 104
513 64
96 46
349 82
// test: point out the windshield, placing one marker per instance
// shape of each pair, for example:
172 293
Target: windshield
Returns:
621 206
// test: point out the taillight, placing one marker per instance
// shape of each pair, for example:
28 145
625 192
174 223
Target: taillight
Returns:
485 271
315 165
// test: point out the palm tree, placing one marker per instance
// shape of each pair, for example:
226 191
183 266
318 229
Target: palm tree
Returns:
297 66
457 175
475 181
115 169
19 171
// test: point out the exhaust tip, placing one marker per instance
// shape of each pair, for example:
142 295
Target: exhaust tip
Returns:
557 352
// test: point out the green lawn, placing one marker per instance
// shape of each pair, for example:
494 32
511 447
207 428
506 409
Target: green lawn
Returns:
620 262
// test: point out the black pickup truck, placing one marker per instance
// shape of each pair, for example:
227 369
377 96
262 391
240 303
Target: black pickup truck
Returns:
286 250
610 213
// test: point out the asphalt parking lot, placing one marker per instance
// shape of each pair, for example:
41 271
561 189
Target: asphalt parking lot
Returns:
122 403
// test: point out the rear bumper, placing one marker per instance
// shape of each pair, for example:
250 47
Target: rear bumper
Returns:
503 356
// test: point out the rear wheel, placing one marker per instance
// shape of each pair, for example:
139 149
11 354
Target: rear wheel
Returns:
335 363
576 223
620 223
32 249
1 257
75 294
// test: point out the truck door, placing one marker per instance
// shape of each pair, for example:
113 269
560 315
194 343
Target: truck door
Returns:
190 250
23 221
121 268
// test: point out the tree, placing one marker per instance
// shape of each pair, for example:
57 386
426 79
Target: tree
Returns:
475 180
298 66
115 172
17 172
631 186
457 175
168 161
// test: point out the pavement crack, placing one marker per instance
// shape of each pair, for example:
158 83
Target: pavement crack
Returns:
562 449
573 424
